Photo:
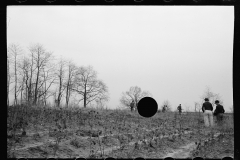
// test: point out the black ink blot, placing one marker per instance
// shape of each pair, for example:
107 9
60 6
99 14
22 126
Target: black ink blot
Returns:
147 107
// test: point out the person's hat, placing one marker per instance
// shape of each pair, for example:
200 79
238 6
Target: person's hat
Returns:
206 99
217 101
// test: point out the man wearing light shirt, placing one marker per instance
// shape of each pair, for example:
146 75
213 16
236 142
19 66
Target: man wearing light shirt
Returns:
207 113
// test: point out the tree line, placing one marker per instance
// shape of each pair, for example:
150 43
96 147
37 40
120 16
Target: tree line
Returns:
135 94
36 74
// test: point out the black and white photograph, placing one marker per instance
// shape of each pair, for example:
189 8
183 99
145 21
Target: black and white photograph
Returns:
120 81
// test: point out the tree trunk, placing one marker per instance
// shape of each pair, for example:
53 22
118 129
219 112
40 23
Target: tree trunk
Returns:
60 90
30 92
36 89
30 83
36 85
21 96
15 73
26 88
45 88
67 97
69 82
67 93
85 99
22 89
37 78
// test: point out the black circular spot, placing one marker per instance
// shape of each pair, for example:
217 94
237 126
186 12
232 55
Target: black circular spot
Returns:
198 158
80 158
109 158
168 158
227 158
147 107
139 158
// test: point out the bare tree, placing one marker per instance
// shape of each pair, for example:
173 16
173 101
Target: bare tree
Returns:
29 73
211 96
40 58
15 50
48 78
87 85
101 100
8 77
8 80
134 94
70 77
30 82
60 75
24 67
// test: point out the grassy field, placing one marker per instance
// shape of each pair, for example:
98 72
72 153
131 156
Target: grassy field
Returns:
43 132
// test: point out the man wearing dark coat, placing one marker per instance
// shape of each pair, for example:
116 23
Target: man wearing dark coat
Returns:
179 109
132 105
219 111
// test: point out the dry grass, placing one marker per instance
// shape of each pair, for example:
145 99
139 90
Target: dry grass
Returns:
83 132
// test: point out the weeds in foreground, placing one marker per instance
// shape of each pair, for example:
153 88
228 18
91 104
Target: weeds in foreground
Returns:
132 132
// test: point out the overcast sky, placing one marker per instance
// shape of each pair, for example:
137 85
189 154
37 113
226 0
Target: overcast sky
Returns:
173 52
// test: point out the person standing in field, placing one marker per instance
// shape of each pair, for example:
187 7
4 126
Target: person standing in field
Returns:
164 108
179 108
219 111
207 113
132 105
